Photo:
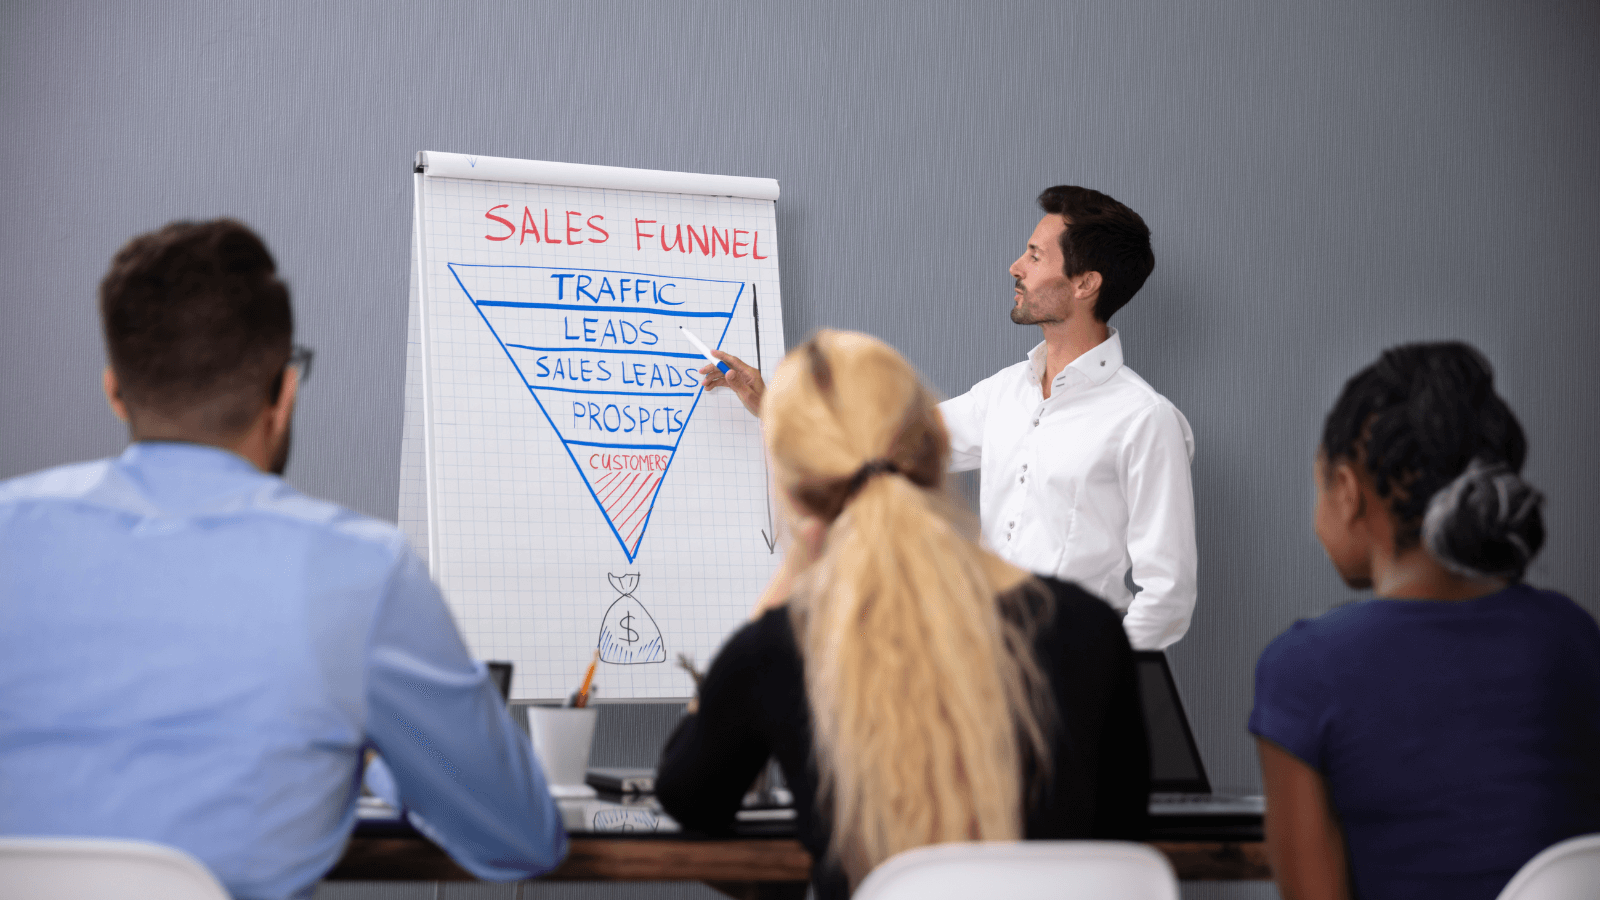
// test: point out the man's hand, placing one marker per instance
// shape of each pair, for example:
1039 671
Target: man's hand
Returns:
745 380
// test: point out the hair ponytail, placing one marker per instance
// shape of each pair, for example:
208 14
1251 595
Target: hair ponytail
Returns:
924 694
1488 522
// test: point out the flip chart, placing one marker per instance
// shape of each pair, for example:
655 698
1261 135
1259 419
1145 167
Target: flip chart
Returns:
570 484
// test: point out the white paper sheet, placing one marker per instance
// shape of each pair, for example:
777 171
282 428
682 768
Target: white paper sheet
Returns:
568 481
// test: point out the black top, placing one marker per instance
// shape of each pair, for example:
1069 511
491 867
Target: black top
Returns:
753 706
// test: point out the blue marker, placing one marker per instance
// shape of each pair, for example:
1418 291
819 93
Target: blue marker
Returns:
704 350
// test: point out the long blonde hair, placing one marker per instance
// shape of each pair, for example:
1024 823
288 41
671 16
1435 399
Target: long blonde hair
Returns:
925 697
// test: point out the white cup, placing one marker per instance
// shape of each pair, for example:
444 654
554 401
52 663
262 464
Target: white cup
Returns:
561 739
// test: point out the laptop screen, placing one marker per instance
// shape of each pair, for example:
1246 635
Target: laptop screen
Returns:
500 674
1175 765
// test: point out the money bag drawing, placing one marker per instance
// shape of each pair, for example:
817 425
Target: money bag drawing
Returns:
628 633
625 819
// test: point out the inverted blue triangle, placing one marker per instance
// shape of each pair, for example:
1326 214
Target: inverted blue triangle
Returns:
599 351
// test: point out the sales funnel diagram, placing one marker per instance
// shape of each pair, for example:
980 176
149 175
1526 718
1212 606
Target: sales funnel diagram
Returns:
601 353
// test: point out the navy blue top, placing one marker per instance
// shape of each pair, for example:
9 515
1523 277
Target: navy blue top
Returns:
1457 738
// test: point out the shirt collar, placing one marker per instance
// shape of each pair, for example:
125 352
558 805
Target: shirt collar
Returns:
186 479
1096 366
181 455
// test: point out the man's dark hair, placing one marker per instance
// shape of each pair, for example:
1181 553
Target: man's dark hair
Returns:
197 325
1102 236
1426 423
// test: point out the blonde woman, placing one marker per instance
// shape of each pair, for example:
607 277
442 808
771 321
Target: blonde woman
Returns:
915 688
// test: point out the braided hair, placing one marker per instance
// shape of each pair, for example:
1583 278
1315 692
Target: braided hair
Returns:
1444 452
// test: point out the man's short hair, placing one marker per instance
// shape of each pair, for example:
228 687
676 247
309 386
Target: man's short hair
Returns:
197 325
1102 236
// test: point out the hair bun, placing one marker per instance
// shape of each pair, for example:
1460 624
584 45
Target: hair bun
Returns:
1486 523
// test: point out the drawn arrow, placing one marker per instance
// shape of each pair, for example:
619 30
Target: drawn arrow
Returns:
770 533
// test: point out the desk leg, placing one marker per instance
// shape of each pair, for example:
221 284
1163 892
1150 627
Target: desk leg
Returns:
760 890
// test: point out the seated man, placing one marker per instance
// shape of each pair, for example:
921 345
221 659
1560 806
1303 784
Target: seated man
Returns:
195 653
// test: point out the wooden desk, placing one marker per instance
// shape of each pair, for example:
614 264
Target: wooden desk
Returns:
742 867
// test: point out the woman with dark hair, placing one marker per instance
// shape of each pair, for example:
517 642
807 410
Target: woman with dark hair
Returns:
1429 741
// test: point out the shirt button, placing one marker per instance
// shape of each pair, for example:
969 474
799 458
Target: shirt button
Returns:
1022 479
1035 421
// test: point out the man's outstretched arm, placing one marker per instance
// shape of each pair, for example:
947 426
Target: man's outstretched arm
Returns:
963 415
744 379
464 769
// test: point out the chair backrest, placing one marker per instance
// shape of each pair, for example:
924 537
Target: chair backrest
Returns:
91 868
1569 870
1030 870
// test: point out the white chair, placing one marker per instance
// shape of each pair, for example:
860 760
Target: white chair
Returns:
1057 870
1569 870
92 869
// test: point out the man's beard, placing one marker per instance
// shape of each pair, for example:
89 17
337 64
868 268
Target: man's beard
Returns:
1022 314
280 455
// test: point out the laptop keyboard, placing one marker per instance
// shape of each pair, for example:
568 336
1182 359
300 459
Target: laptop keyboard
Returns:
1206 805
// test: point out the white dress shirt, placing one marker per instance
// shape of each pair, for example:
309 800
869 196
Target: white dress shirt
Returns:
1086 484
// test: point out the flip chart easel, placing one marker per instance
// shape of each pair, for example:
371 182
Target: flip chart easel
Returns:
567 480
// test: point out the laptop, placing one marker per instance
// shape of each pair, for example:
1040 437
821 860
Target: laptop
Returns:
1181 799
500 674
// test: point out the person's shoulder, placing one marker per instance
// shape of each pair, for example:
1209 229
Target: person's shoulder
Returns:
1071 610
1074 603
1007 378
761 641
283 502
1313 638
1561 611
73 481
1554 602
1138 399
1139 402
1138 391
1298 685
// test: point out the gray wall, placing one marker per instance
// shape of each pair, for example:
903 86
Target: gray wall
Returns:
1323 180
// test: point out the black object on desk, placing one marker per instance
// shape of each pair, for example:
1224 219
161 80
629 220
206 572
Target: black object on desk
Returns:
1182 804
501 673
617 780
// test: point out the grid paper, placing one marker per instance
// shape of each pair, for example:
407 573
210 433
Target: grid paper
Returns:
541 564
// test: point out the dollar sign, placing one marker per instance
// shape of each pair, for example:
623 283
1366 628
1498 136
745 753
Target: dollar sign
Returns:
632 636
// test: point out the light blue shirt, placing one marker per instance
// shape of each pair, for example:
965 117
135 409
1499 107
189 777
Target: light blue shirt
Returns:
194 653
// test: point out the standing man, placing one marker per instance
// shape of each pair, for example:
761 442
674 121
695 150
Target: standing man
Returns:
1085 468
195 653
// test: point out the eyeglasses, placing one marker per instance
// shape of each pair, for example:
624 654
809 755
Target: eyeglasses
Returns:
300 360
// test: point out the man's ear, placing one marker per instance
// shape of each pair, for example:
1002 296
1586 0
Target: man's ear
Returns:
1086 287
108 381
1089 282
282 411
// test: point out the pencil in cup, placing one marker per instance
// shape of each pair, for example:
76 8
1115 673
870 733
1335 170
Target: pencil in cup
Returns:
581 698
